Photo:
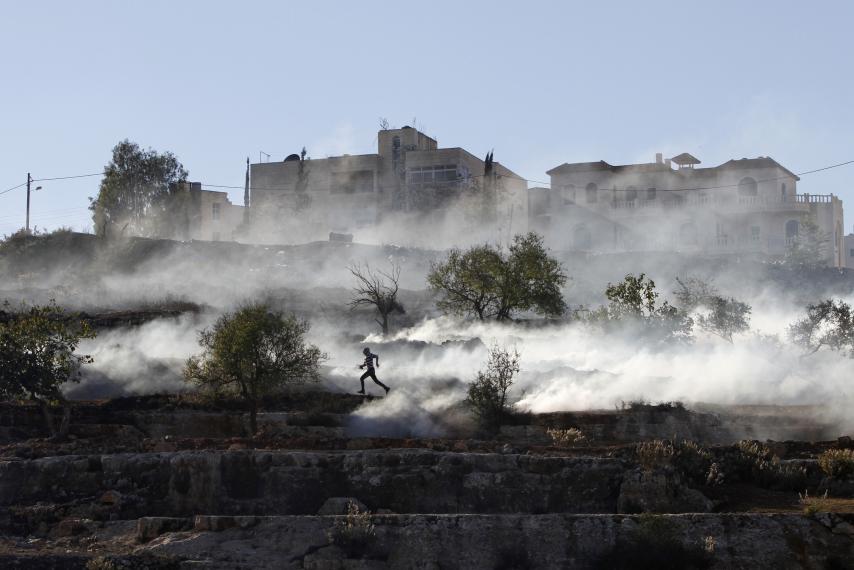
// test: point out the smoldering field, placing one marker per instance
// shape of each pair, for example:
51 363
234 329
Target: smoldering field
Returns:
429 359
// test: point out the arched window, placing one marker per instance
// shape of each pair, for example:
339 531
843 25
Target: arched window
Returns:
592 193
631 194
581 237
747 187
688 234
792 228
569 194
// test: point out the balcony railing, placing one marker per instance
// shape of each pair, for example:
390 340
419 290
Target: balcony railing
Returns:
799 202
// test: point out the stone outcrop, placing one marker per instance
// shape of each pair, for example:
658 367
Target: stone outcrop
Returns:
753 541
281 482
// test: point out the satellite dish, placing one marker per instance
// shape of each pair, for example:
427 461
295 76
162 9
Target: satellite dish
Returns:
292 158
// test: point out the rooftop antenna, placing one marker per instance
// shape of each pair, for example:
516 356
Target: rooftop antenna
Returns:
260 153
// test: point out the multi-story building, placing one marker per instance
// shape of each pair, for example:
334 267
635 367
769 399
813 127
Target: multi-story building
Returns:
409 178
202 215
746 206
849 251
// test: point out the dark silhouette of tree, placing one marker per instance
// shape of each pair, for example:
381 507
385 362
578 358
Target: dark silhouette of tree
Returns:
377 289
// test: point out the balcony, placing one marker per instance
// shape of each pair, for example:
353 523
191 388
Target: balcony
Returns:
724 204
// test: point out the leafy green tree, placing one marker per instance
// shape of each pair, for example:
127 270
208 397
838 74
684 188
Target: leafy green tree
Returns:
135 189
38 355
487 395
829 323
467 281
725 317
693 292
635 302
531 280
487 283
252 353
721 316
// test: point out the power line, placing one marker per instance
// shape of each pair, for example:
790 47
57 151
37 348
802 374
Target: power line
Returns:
241 187
67 177
13 188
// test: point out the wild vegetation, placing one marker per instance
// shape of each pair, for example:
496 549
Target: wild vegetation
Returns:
487 283
252 353
134 194
38 355
488 395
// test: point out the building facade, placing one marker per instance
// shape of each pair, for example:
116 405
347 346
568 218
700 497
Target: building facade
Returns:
746 206
849 251
409 178
203 214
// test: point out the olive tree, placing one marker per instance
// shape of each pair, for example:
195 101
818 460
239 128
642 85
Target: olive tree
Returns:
38 347
486 282
254 352
724 317
635 302
829 323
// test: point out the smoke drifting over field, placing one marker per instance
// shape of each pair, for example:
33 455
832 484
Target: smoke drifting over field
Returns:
430 359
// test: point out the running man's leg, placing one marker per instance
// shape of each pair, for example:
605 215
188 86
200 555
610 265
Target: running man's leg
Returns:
373 374
362 380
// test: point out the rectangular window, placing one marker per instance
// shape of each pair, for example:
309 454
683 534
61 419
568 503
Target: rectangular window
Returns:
851 253
215 210
650 193
433 174
754 233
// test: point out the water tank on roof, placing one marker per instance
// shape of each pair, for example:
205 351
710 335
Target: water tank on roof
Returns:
292 158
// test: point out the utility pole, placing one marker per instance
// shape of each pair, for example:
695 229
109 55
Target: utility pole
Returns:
29 181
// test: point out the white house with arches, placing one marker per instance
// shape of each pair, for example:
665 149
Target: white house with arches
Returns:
749 206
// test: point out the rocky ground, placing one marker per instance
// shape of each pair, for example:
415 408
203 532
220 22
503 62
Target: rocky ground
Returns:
175 482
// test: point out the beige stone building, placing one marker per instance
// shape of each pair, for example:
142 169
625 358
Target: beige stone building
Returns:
849 251
409 181
746 206
203 214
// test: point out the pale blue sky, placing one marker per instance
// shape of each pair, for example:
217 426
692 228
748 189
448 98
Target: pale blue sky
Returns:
540 82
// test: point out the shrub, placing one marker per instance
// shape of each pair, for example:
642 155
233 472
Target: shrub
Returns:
566 437
354 532
655 454
687 457
837 463
487 395
754 462
813 505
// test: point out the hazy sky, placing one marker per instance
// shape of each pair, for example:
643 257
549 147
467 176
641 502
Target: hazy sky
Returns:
540 82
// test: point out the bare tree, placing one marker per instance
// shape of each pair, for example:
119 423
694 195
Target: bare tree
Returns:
378 289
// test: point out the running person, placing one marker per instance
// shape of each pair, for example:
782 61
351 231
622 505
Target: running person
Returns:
370 372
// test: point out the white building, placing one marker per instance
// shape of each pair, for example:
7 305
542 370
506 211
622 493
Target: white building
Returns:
746 206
